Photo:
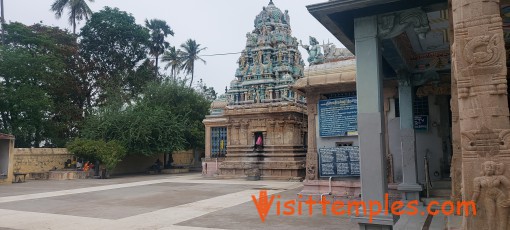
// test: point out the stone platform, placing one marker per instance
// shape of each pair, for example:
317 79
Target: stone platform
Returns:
70 175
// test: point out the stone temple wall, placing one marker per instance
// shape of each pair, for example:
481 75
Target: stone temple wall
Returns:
32 160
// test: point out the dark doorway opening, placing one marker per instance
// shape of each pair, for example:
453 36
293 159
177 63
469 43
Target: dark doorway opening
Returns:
259 141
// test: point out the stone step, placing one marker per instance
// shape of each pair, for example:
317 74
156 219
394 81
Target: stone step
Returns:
440 192
442 184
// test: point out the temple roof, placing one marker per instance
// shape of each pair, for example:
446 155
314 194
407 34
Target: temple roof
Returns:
270 62
339 75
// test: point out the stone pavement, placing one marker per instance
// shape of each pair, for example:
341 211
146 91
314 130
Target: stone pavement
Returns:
181 202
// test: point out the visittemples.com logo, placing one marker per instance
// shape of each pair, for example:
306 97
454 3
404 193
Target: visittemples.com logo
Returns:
264 203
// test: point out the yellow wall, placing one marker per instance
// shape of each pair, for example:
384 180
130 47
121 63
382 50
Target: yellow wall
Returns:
29 160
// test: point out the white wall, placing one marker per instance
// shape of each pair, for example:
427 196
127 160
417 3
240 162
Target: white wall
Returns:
4 156
425 140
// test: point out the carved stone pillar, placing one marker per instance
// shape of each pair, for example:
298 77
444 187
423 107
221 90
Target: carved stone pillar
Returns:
409 184
456 164
478 55
312 169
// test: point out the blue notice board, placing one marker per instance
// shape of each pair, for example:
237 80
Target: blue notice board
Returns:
338 117
339 162
421 122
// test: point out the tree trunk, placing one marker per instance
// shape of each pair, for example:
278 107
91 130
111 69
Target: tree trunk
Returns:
157 59
192 73
74 21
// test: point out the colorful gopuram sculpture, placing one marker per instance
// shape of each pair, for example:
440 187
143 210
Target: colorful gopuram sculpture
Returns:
265 120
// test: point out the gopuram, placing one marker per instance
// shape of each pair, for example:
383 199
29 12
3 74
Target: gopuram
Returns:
259 130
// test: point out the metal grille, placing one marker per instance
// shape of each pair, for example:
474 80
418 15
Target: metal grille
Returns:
218 141
421 106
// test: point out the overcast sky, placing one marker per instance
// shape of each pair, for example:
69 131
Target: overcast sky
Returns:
219 25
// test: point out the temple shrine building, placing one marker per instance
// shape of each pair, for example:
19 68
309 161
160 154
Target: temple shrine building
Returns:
259 129
419 113
432 103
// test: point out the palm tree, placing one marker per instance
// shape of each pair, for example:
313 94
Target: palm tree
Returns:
174 59
159 31
78 10
190 52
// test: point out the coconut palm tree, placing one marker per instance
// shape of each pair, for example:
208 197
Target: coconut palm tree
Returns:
190 51
159 30
174 59
78 10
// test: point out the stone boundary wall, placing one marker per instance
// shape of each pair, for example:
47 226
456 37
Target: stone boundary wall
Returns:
35 160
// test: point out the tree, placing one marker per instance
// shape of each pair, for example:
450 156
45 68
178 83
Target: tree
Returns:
78 10
159 30
191 50
168 117
112 45
108 153
207 92
174 59
42 97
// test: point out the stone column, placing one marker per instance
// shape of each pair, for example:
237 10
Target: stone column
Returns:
207 141
311 155
370 121
409 185
478 56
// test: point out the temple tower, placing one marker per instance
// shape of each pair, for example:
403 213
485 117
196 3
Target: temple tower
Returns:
265 120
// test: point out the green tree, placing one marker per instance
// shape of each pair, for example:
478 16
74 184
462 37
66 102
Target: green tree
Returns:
207 92
159 30
78 10
173 57
190 53
166 118
112 45
108 153
42 98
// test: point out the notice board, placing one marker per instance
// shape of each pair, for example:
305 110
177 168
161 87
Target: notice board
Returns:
339 162
338 117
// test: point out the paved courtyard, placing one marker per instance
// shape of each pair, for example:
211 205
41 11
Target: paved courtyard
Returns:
181 202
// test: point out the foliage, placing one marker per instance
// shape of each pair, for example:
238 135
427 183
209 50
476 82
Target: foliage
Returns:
167 117
78 10
190 53
42 96
112 45
173 57
159 30
108 153
207 92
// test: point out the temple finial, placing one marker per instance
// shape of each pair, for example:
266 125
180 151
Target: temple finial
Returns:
271 2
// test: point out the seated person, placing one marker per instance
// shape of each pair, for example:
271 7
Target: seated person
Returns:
79 164
86 166
67 164
157 166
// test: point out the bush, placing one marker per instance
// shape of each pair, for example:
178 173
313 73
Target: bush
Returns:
108 153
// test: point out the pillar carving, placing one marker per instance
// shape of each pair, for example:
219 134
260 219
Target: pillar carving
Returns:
456 164
311 155
479 60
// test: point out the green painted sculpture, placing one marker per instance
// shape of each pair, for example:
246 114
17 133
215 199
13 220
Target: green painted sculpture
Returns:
270 62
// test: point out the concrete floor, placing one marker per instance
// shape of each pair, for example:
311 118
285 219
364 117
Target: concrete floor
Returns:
186 202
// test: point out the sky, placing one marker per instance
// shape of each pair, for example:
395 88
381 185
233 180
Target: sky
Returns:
219 25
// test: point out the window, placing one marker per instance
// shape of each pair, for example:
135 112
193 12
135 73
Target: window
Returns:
218 141
421 106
